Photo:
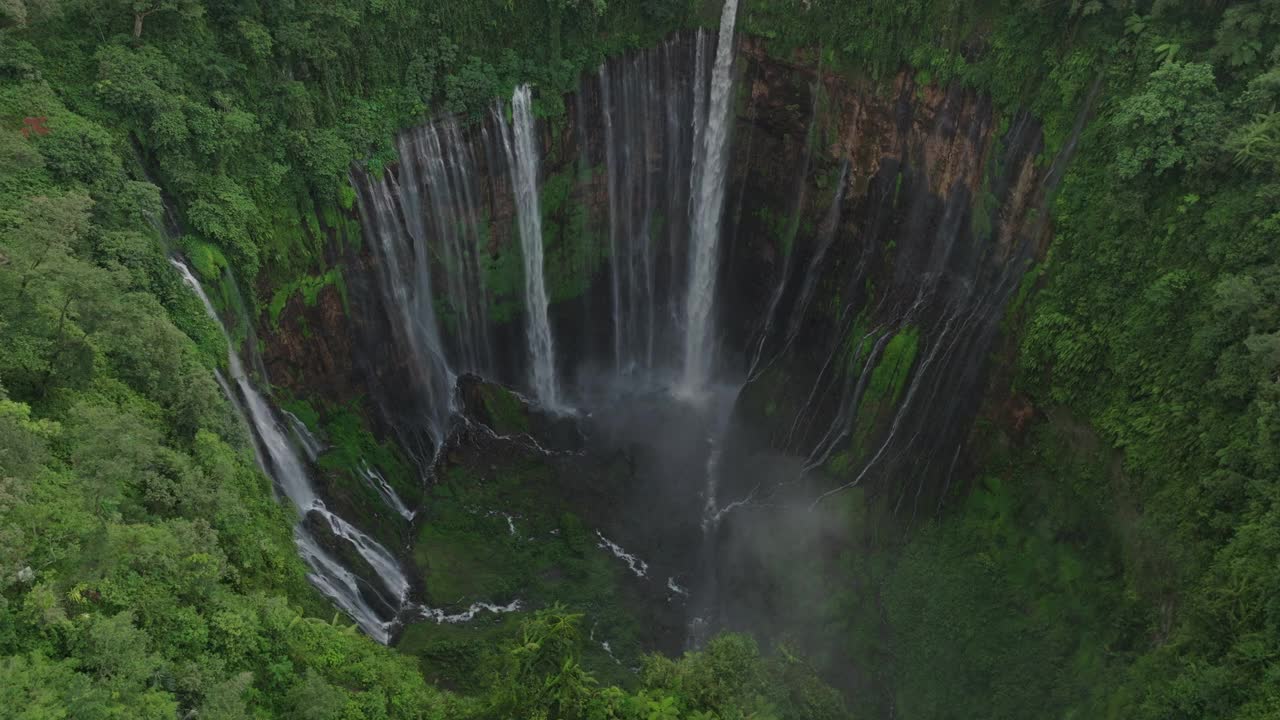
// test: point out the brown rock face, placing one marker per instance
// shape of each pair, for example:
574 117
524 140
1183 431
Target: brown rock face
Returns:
312 346
867 318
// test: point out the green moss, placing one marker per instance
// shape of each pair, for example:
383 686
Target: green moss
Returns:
338 219
350 450
474 559
858 344
206 258
1025 287
351 444
296 240
346 196
840 463
574 250
827 181
890 376
984 210
884 388
779 227
768 395
310 287
508 414
300 235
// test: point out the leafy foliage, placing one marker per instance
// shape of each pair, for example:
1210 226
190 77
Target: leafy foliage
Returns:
1119 562
145 570
241 110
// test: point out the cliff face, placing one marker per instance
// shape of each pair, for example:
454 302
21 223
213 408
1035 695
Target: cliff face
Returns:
868 316
870 242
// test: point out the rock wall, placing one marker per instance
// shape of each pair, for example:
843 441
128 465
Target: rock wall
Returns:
872 237
867 316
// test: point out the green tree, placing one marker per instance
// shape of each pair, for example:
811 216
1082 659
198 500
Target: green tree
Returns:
143 9
540 672
1174 122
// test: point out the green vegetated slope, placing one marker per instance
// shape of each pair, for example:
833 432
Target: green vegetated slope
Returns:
1116 560
146 570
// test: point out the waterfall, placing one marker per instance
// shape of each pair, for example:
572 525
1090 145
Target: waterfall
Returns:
708 201
393 218
437 222
378 557
292 477
702 613
290 474
520 142
648 102
438 165
949 289
615 213
340 585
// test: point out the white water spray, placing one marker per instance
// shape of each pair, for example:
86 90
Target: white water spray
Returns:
441 617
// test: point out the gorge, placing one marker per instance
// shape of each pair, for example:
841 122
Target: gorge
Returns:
609 301
619 359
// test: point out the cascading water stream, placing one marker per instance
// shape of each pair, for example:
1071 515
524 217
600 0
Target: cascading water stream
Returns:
311 444
708 204
341 586
615 214
649 102
520 142
393 216
702 613
290 474
378 557
384 490
290 477
437 165
437 223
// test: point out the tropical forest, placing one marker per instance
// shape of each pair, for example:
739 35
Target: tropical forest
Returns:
639 359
